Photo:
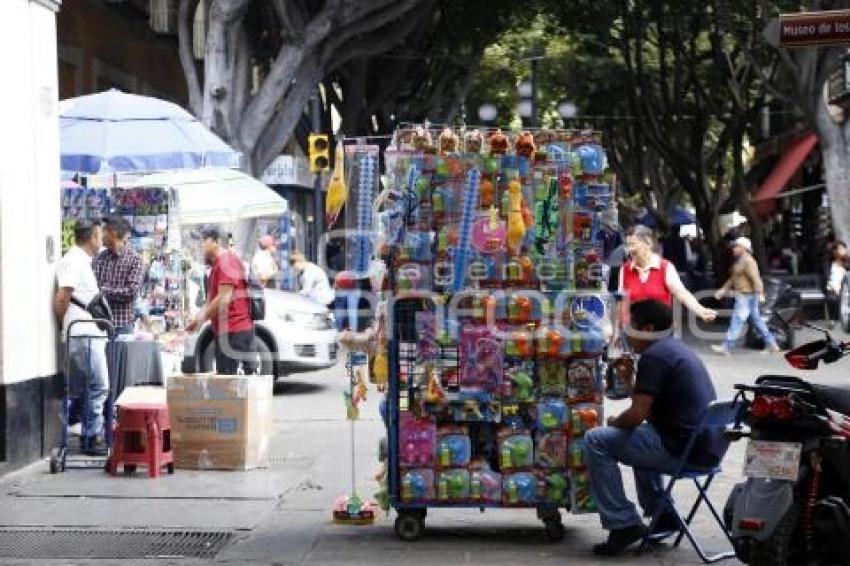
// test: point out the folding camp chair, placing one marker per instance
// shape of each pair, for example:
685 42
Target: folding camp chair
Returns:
718 416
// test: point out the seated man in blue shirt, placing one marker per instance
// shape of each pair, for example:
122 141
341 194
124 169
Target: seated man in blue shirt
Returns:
672 391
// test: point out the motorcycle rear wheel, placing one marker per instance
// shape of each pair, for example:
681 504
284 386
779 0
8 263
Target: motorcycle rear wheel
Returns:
777 549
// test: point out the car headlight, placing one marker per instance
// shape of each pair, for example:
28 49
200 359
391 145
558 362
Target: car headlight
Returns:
315 321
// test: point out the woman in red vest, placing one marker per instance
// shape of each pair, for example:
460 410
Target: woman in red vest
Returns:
647 276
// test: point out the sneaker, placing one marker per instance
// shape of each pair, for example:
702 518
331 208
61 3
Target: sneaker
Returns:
619 540
667 525
720 350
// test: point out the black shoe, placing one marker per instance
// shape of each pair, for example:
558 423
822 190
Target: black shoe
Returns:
619 540
667 525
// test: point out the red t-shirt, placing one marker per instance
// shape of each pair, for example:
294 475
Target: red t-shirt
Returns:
228 270
654 288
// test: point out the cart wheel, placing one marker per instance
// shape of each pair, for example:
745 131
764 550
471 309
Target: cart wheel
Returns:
56 461
409 526
170 467
555 530
129 469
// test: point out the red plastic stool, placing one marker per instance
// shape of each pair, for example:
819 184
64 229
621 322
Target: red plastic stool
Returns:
142 437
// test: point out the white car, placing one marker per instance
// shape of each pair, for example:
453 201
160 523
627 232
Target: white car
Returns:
296 335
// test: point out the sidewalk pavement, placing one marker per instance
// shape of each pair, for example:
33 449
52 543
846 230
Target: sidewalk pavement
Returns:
282 515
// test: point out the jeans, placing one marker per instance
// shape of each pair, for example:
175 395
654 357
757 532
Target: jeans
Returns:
233 348
641 448
124 330
89 378
747 310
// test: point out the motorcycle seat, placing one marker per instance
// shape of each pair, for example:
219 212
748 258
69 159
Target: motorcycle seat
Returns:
832 397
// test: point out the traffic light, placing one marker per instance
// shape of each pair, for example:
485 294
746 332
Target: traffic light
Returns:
318 147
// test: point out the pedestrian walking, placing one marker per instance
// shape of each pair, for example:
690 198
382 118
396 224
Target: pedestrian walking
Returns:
647 276
745 281
118 269
86 342
228 307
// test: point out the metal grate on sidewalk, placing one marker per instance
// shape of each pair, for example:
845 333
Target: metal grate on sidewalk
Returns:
54 542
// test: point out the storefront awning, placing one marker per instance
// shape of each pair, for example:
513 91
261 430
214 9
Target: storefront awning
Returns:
763 198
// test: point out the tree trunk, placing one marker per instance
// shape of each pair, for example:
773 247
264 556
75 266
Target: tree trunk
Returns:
835 148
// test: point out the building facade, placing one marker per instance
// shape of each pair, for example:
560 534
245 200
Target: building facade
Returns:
29 231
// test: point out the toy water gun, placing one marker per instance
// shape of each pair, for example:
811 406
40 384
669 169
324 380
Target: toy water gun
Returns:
556 487
452 452
524 385
337 189
516 224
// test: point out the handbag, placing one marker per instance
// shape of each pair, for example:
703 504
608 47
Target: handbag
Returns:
99 310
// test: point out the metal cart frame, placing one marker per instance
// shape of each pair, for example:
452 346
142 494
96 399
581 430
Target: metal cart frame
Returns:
64 456
410 522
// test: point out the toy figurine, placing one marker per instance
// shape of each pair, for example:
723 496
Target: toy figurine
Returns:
498 143
524 385
516 225
337 189
524 145
448 141
471 410
486 193
422 139
435 393
473 141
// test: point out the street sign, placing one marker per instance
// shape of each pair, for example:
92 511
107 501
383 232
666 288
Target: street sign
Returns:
805 29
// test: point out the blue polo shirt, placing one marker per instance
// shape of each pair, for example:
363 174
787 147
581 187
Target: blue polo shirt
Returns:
681 390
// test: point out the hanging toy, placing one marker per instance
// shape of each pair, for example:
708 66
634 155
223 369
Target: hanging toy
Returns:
363 243
473 141
470 203
380 369
422 139
487 192
498 143
351 509
448 141
337 189
524 145
516 225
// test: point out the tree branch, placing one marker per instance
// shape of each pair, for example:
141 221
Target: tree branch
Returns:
186 21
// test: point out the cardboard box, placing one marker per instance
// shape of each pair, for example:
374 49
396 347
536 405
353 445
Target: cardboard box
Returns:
220 422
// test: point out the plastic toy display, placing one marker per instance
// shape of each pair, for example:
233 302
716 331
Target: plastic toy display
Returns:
499 319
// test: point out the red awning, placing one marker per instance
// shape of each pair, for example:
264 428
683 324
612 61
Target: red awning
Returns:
763 198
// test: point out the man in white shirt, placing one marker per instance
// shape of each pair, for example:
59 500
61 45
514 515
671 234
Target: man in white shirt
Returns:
87 343
264 265
313 282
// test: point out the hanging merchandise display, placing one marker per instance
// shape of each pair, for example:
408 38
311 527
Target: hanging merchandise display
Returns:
498 318
351 509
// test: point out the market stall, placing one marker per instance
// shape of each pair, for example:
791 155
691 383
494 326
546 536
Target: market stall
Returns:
498 317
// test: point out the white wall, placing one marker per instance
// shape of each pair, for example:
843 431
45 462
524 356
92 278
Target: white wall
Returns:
29 188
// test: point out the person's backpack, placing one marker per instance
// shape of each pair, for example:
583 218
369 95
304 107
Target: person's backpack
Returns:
257 296
99 309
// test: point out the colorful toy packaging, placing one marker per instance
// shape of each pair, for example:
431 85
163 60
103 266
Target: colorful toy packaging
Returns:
499 377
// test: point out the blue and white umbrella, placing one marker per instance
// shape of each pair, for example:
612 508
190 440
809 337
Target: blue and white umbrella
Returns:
112 131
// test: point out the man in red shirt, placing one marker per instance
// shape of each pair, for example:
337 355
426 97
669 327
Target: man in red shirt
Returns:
228 308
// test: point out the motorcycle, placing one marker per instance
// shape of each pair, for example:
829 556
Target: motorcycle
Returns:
782 312
794 506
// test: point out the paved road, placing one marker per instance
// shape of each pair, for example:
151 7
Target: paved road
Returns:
281 516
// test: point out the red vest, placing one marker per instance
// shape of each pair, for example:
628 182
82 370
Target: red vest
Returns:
655 286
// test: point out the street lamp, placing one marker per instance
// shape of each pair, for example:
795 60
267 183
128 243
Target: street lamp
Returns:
487 112
567 110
